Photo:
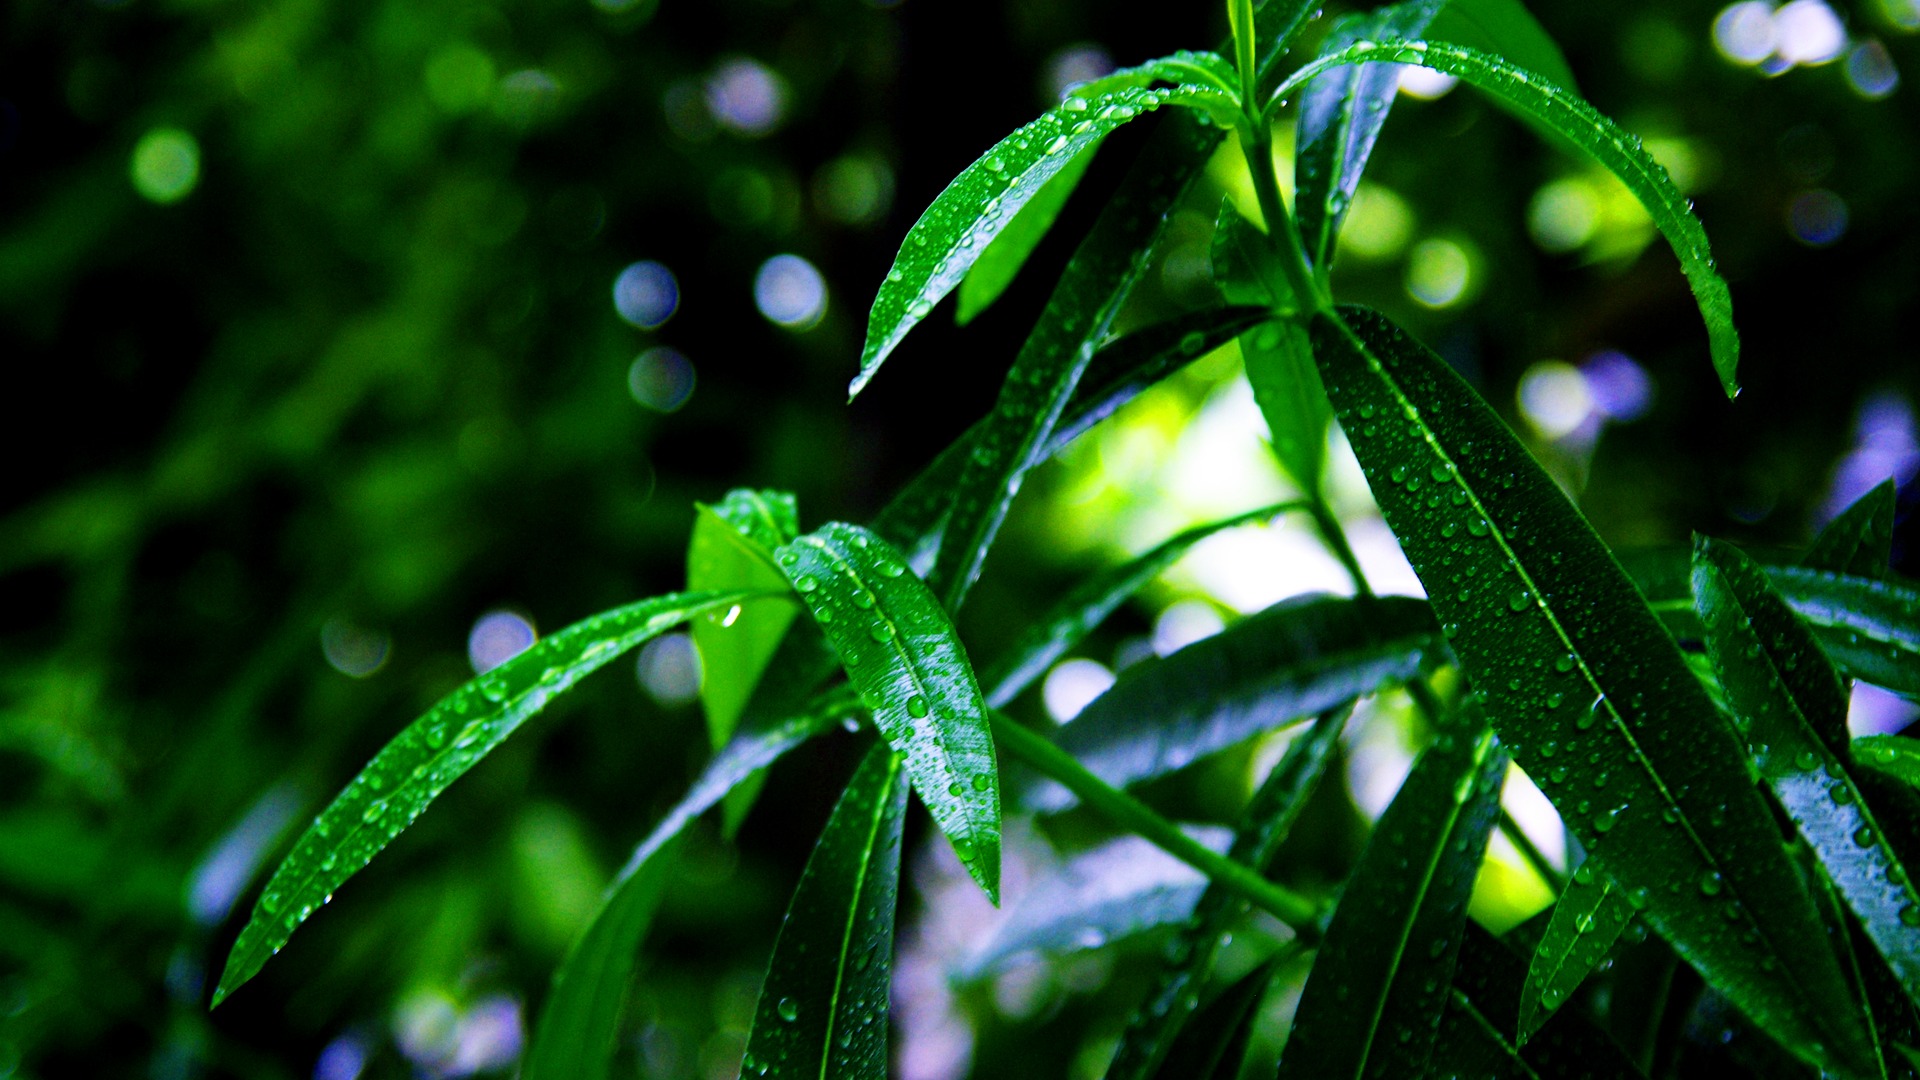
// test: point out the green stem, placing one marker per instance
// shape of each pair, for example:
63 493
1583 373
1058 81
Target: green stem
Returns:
1298 912
1335 537
1257 143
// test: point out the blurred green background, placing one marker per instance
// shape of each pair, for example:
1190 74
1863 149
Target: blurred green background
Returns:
348 346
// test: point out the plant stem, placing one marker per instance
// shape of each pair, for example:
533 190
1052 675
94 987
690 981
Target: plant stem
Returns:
1257 143
1335 537
1536 859
1298 912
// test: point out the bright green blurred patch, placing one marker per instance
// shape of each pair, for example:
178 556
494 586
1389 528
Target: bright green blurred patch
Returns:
165 165
460 78
1378 226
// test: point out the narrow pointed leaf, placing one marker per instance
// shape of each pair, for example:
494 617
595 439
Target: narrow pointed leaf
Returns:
1487 989
823 1007
1341 114
1504 28
1053 635
1113 892
965 218
1373 1002
1001 262
1050 365
1588 691
1214 1044
1152 1032
1587 920
1860 540
1793 709
1606 142
1855 960
732 548
575 1037
902 653
1871 628
412 770
1895 755
1246 268
1283 665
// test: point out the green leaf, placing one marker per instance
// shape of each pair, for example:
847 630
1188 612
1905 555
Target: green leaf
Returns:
1001 262
1895 755
1486 994
1279 666
1588 691
1860 540
965 218
902 653
1115 891
578 1025
1054 634
1152 1032
1871 628
1504 28
1603 140
1341 114
1857 959
1049 367
1586 921
1373 1001
823 1007
1246 268
1213 1046
732 548
413 769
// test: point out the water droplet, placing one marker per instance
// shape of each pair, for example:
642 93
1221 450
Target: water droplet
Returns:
863 599
981 783
880 631
788 1009
1710 883
1517 600
1863 836
1805 761
994 164
807 584
917 707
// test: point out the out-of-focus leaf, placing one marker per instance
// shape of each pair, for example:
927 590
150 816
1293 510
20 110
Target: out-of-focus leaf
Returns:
1153 1030
1214 1044
1115 891
1473 1038
732 548
823 1007
1586 921
1297 658
1860 540
964 219
575 1037
1606 142
1504 28
1588 691
412 770
1341 114
1051 636
1373 1002
1895 755
902 653
1001 262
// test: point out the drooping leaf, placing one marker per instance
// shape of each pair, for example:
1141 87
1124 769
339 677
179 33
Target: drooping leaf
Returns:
1078 316
902 653
1588 691
1156 1027
823 1007
1112 892
1860 540
732 548
1214 1044
1871 628
1001 262
1054 634
1606 142
1895 755
1587 920
964 219
1474 1040
412 770
1286 664
1341 114
1374 999
576 1034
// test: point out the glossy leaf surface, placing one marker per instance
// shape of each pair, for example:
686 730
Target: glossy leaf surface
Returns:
1871 628
1600 138
823 1007
732 548
1153 1030
1054 634
1860 541
412 770
1373 1002
1000 263
1588 691
1297 658
964 219
902 653
1586 921
1895 755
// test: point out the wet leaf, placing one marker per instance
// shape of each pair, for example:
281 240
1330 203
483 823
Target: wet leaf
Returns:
578 1026
1588 691
902 653
1871 628
1283 665
1156 1027
1860 540
979 204
1586 921
412 770
1504 28
1473 1035
1606 142
1214 1044
1054 634
1374 999
1001 262
1895 755
823 1007
732 548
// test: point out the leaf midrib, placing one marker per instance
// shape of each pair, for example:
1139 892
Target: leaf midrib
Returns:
882 805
